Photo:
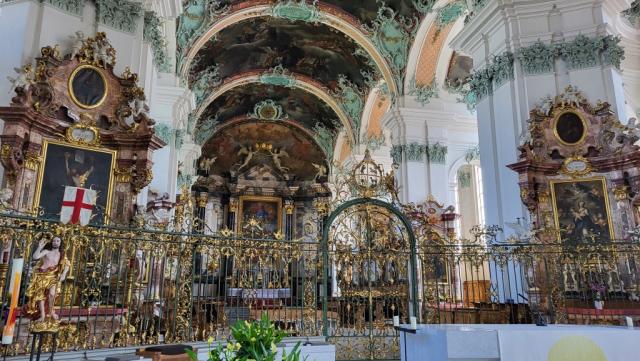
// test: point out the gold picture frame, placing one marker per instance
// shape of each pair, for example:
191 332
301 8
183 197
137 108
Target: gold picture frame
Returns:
74 96
58 174
585 126
581 207
249 202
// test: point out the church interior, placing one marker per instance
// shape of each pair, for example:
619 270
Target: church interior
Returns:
359 172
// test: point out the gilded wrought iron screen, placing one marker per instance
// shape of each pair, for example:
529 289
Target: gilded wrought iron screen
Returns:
369 253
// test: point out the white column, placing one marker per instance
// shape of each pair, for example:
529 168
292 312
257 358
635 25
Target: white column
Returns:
507 26
170 107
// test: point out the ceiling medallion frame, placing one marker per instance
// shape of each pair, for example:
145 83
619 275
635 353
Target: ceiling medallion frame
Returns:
576 112
72 93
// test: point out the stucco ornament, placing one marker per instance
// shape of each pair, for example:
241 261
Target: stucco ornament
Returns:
196 18
278 76
414 152
396 153
206 83
164 131
325 139
423 93
71 6
633 13
393 34
537 58
582 52
152 34
437 153
122 15
204 130
297 11
351 100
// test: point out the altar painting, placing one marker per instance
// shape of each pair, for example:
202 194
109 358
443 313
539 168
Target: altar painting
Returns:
581 210
68 165
263 212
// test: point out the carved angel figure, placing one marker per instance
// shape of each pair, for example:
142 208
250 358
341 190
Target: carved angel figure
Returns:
137 107
248 152
276 154
321 170
23 80
100 55
206 163
5 197
78 44
632 128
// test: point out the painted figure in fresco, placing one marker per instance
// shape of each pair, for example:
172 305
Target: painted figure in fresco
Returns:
75 176
276 154
584 224
248 152
52 268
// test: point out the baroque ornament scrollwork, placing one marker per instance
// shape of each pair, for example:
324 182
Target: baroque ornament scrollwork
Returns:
297 11
423 93
119 14
152 34
633 13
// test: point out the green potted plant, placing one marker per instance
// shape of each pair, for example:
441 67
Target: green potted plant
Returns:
251 341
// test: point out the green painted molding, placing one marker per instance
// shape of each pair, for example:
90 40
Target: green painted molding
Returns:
297 11
164 131
392 35
351 100
122 15
206 83
278 76
414 152
423 93
437 153
464 178
396 153
74 7
496 73
204 130
325 139
537 58
633 13
152 34
268 110
502 68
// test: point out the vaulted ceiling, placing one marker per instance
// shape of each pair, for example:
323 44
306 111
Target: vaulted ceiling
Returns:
312 63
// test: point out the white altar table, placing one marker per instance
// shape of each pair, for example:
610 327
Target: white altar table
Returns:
518 343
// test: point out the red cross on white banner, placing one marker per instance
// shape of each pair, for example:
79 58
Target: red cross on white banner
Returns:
77 205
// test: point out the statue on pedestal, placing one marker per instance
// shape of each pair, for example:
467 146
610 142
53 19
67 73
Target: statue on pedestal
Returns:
51 270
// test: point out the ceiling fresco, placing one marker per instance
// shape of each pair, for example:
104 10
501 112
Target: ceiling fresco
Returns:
298 149
315 50
305 108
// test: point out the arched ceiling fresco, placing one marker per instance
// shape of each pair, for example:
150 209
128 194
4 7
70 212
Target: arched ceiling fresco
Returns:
345 47
299 151
264 101
263 43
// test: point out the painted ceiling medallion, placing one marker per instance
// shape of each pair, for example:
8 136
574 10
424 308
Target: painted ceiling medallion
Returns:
268 110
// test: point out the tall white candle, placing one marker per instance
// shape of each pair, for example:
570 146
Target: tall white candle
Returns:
396 321
414 323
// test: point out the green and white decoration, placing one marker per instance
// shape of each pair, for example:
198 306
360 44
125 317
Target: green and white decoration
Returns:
121 15
423 93
152 34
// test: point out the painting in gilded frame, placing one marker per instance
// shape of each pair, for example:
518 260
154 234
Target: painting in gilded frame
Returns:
267 211
64 165
581 210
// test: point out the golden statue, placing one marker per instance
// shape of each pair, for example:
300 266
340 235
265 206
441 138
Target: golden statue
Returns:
51 270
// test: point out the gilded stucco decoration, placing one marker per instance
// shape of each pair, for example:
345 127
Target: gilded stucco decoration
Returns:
268 110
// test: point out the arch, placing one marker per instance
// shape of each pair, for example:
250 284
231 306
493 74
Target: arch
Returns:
301 82
325 248
330 16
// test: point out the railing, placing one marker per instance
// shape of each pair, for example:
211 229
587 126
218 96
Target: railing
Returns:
131 286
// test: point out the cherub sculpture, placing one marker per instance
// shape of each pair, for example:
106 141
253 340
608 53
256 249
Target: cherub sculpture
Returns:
23 80
50 271
321 171
248 152
78 44
276 154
